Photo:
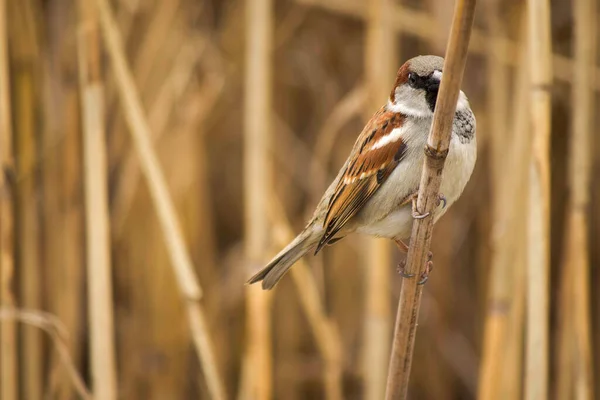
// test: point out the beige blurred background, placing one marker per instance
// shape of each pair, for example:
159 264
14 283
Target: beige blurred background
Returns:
250 108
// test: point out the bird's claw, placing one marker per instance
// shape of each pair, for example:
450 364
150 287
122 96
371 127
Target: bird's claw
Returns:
424 275
442 199
416 214
428 269
401 270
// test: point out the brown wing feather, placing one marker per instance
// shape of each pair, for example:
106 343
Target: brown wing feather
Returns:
368 169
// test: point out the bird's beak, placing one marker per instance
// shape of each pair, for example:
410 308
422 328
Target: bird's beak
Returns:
433 83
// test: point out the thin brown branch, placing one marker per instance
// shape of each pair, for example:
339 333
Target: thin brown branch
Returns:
99 274
165 210
436 151
55 329
538 237
8 333
419 24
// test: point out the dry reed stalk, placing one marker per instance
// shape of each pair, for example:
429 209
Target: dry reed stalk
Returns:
419 24
8 329
574 367
180 260
258 187
99 274
173 88
61 188
511 376
55 329
436 152
324 329
538 237
149 55
379 58
500 284
26 59
161 23
495 379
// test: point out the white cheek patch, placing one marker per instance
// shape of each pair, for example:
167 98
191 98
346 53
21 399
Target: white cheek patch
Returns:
409 110
393 136
437 75
463 102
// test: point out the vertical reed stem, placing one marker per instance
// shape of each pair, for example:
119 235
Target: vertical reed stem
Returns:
500 365
512 376
257 180
499 286
8 334
379 56
540 62
574 366
26 56
436 151
99 274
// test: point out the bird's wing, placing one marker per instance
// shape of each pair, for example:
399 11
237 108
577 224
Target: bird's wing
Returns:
377 151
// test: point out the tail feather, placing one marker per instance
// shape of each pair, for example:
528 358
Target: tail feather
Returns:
282 262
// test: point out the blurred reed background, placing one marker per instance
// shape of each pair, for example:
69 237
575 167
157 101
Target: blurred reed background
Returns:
155 152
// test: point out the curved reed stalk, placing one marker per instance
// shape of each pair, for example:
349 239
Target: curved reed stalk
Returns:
56 330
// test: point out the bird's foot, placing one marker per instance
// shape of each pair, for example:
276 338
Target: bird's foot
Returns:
403 247
418 215
424 276
428 269
401 270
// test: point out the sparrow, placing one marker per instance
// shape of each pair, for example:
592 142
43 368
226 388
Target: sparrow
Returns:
374 192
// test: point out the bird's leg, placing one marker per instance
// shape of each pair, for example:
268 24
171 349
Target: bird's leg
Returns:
417 214
428 269
403 247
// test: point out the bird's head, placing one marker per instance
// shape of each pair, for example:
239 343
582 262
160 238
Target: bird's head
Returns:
416 87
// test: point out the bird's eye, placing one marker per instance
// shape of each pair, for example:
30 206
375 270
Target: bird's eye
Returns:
412 79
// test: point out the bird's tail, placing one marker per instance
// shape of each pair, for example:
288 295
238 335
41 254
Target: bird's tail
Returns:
282 262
